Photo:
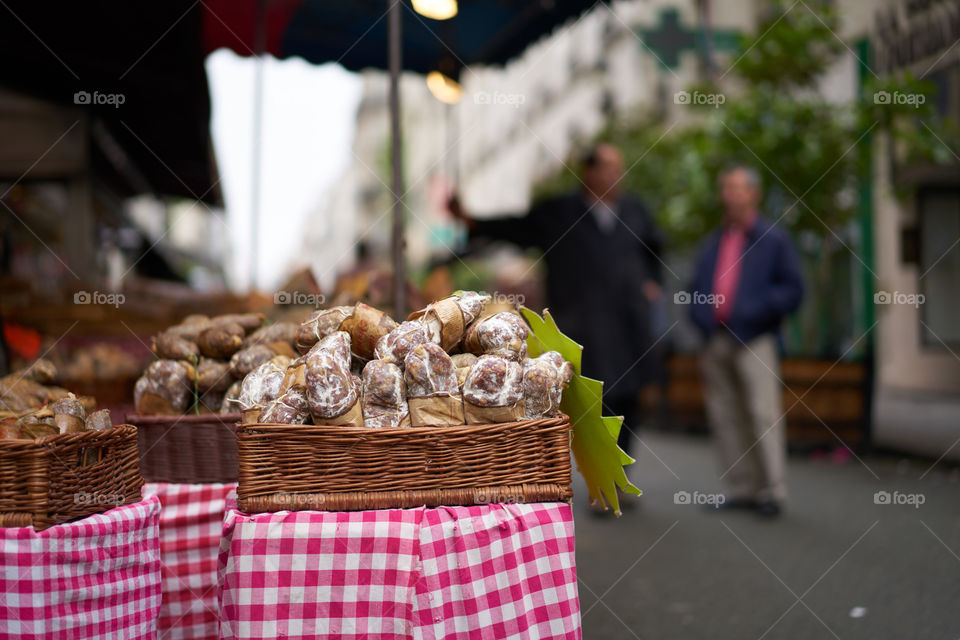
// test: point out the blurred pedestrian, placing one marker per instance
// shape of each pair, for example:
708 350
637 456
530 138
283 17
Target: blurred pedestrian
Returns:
746 280
602 252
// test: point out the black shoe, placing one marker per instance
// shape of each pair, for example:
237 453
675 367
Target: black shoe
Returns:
768 508
732 504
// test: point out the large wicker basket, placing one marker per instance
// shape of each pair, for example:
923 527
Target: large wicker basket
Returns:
61 477
291 467
192 449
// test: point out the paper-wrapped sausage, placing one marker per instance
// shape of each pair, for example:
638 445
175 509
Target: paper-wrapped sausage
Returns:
249 358
493 391
502 334
261 386
333 394
319 325
446 320
99 420
69 415
433 394
290 408
231 399
462 363
384 396
38 424
544 379
395 346
366 325
166 388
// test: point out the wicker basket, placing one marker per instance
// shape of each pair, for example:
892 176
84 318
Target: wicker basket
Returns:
293 467
188 448
61 477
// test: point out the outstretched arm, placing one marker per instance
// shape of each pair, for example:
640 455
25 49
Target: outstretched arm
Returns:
519 229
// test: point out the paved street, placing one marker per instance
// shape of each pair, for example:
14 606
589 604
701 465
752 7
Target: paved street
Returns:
836 564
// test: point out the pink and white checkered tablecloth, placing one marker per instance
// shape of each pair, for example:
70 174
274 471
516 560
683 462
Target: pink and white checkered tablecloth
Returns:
190 525
96 578
491 571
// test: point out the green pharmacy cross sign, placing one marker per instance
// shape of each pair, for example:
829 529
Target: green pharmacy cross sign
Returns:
670 38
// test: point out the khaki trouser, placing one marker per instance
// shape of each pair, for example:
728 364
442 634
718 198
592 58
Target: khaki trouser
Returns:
745 411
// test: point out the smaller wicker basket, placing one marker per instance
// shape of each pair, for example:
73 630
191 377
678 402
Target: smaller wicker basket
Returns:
61 477
304 467
188 448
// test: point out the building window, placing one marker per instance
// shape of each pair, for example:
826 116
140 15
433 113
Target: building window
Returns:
939 211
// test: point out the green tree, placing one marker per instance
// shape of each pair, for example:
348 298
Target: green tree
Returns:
809 151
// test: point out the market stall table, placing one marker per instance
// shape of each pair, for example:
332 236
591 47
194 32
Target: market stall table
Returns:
493 570
94 578
191 520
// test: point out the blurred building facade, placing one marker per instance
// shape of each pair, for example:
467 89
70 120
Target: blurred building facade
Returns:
518 125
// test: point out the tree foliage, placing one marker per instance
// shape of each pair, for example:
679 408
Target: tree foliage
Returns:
812 152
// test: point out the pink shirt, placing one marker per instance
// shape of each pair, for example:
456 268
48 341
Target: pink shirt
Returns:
726 274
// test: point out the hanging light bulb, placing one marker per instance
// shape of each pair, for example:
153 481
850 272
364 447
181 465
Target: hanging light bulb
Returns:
443 88
436 9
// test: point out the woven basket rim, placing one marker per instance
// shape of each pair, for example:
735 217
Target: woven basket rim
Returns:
187 418
58 438
308 429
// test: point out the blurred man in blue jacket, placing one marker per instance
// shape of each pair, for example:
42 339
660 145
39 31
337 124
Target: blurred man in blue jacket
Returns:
747 279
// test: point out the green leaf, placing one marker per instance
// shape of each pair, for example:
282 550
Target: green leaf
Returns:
599 460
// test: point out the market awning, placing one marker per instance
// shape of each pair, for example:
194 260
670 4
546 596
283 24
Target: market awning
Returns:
354 34
152 55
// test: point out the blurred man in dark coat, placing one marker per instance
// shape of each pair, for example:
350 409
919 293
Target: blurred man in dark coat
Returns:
602 253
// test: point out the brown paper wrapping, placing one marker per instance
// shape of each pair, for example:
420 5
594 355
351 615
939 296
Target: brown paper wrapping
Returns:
366 326
352 417
436 411
449 315
67 423
249 416
490 415
294 378
471 340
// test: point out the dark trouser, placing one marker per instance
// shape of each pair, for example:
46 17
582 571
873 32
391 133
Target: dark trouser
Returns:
629 408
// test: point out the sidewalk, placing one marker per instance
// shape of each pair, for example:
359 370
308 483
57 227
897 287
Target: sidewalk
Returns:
835 564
